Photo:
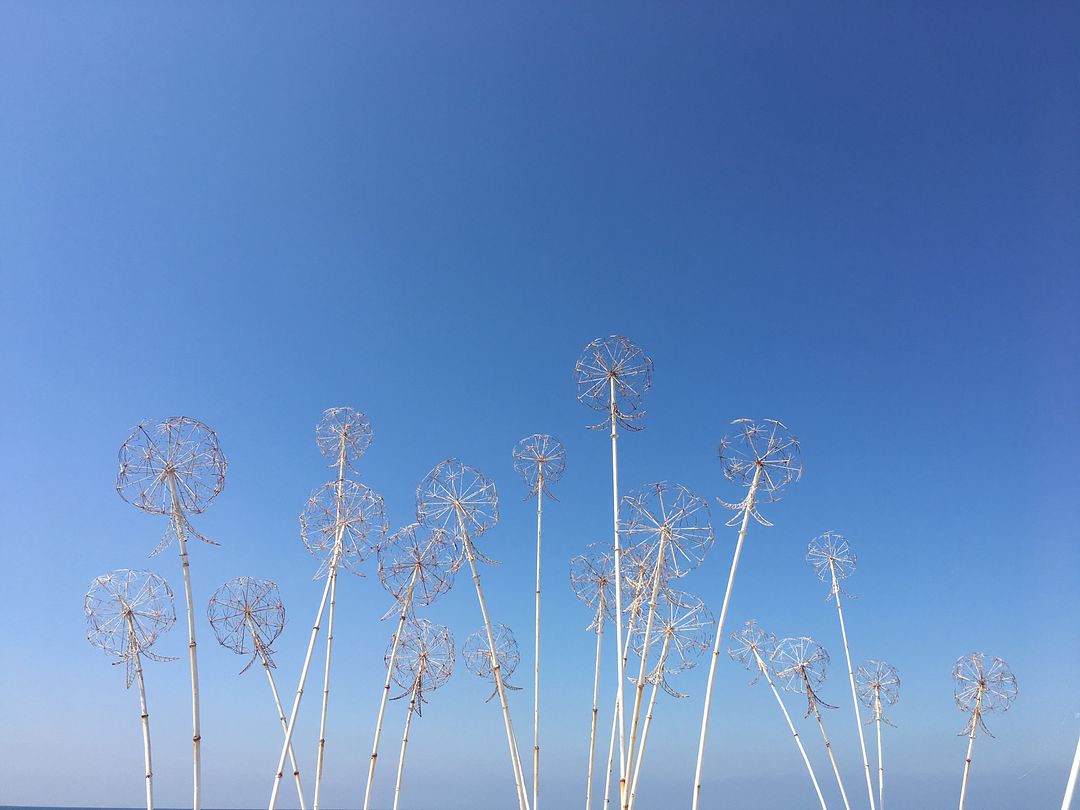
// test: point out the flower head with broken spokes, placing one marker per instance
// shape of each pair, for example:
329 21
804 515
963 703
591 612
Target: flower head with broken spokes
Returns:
799 664
247 616
417 564
341 523
983 684
762 456
877 685
481 657
832 559
613 367
541 461
424 660
343 434
126 612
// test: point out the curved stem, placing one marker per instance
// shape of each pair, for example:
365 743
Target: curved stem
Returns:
1070 786
747 510
648 718
595 697
144 715
971 745
832 759
406 601
536 654
405 738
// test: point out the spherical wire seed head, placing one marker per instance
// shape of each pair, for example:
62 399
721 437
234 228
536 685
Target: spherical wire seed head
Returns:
458 499
477 654
983 684
830 554
343 429
671 516
126 612
180 454
767 446
539 458
799 665
753 648
877 684
247 616
614 359
342 522
424 660
592 578
684 625
419 558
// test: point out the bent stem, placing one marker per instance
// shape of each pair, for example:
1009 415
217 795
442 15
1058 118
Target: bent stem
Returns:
595 697
648 719
851 680
829 751
748 506
971 744
619 702
405 735
405 604
536 655
1070 786
144 715
193 660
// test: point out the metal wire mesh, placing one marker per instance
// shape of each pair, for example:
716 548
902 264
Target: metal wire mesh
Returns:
477 654
418 564
346 510
539 457
768 446
877 685
799 665
753 648
425 658
345 428
247 616
984 683
458 499
671 515
615 359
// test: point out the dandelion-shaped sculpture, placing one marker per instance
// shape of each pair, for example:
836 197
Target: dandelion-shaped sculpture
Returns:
877 685
463 502
763 457
592 576
481 656
342 521
612 374
983 684
247 616
670 527
685 626
176 468
422 662
833 560
800 664
754 648
540 460
126 612
416 566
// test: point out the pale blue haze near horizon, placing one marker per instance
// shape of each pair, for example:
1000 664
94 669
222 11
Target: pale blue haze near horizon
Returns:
862 219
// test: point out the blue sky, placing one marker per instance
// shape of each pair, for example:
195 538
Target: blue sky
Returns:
862 221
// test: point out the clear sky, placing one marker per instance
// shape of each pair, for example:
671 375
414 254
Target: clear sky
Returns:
862 221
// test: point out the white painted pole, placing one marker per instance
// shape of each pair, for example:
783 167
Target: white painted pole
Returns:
648 719
614 719
405 735
620 703
144 716
405 603
1070 787
536 654
851 680
832 759
880 755
971 745
193 660
747 509
595 698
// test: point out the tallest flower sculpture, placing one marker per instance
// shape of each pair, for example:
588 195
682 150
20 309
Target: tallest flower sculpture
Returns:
612 375
176 468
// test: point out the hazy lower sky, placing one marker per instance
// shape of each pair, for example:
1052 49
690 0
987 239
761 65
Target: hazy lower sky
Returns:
864 221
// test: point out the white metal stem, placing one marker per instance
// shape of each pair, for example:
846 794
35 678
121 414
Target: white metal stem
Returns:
747 510
809 769
144 715
595 698
1070 787
648 719
406 601
851 680
971 745
614 719
880 754
620 674
511 741
832 759
536 654
405 734
193 660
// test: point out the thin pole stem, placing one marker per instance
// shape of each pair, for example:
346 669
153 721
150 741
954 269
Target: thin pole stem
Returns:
971 745
595 697
193 660
880 755
405 735
763 667
299 694
536 658
851 680
615 718
511 741
832 759
144 716
406 601
277 704
1070 787
747 509
648 719
620 703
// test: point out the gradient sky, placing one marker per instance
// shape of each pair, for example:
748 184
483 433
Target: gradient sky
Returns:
862 221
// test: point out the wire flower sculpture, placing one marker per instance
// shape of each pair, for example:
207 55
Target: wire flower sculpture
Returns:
462 501
983 684
612 374
800 664
763 457
878 684
685 625
541 461
423 663
754 648
833 560
176 468
247 616
482 656
126 612
342 521
592 576
416 566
